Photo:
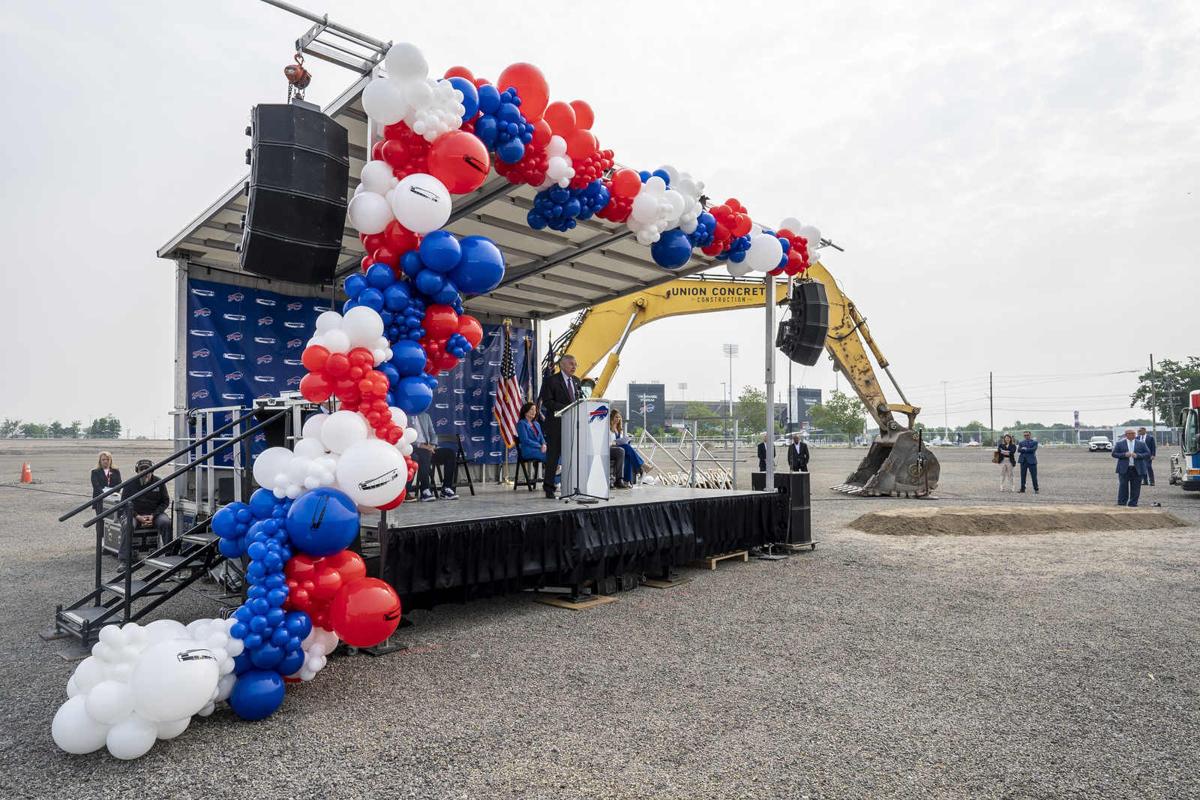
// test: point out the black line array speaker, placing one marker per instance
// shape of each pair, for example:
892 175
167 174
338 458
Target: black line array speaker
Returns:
802 337
299 176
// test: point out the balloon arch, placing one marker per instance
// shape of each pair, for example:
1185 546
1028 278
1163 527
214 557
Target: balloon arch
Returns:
376 363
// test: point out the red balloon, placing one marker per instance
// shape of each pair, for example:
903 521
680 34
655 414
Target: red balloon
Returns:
626 183
741 225
459 160
412 467
445 361
482 82
581 144
315 388
459 72
372 241
338 365
471 330
440 322
395 503
314 357
398 238
385 255
560 116
365 612
348 564
584 116
531 87
541 135
377 151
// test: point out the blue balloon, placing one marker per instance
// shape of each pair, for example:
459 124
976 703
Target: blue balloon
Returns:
470 94
371 298
262 503
440 251
486 130
410 262
280 637
349 304
257 694
389 372
489 98
447 294
323 521
481 268
379 276
225 522
408 358
430 282
662 173
413 395
291 663
512 151
354 284
672 250
241 663
230 548
298 624
397 297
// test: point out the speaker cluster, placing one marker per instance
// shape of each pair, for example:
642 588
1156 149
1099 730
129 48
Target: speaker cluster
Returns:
299 179
802 336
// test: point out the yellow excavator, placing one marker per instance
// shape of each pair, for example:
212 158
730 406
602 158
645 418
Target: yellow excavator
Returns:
898 462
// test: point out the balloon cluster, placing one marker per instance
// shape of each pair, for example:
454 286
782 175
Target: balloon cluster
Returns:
667 199
706 228
500 125
558 208
313 581
232 523
142 684
429 107
531 169
732 221
449 336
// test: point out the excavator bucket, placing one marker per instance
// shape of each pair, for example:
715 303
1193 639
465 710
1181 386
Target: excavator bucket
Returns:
903 467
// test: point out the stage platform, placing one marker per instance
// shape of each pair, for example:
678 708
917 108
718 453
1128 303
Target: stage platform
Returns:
502 540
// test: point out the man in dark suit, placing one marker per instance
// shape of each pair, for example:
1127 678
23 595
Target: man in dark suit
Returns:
559 391
1132 455
798 454
150 509
1027 458
1152 446
762 452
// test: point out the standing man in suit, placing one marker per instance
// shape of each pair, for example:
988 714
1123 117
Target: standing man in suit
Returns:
1152 446
1027 458
798 454
1132 455
558 392
762 452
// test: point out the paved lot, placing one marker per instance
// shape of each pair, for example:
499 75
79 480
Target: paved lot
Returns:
1055 665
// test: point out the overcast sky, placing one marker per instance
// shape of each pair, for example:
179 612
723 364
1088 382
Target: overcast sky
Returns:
1016 188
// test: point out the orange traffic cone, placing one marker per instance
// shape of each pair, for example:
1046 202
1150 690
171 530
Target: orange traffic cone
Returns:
26 473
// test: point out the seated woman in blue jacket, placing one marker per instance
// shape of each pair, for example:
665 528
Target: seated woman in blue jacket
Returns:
531 443
635 465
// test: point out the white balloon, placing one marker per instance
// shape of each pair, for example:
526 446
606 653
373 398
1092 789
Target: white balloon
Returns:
645 207
405 61
811 235
169 730
410 435
109 702
372 473
765 252
297 470
738 270
672 173
132 737
74 731
791 223
377 177
383 100
270 463
309 448
344 429
89 672
363 325
336 341
312 426
173 680
421 203
72 687
675 202
419 96
328 321
369 212
399 418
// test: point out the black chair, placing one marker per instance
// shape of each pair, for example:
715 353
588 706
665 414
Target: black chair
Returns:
454 442
522 475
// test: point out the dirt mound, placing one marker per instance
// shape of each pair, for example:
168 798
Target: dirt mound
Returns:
997 520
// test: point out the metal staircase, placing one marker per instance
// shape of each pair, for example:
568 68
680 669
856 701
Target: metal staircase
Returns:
145 584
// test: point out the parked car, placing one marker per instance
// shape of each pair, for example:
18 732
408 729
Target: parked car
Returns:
1099 443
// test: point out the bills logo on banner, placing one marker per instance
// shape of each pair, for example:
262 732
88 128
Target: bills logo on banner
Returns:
476 379
234 352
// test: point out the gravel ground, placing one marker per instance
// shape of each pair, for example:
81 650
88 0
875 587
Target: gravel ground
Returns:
1057 665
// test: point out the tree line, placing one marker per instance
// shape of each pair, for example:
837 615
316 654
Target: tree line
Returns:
106 427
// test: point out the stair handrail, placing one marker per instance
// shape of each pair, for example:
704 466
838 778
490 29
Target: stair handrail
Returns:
187 468
166 460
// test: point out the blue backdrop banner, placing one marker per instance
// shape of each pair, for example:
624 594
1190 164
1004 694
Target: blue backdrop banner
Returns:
245 344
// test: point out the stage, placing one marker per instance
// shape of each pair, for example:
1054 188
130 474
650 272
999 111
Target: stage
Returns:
503 540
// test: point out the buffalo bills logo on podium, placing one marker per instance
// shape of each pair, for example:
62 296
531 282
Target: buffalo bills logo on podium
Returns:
197 373
293 362
233 356
294 380
265 378
265 340
600 412
233 396
293 324
263 301
202 312
203 292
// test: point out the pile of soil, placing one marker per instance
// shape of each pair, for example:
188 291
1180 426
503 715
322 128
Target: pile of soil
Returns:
994 520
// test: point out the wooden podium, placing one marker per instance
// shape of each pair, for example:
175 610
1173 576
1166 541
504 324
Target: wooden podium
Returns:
585 456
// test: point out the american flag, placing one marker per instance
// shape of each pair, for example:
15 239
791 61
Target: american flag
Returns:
508 394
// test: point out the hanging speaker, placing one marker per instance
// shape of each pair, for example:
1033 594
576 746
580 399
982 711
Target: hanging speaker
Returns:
299 177
802 336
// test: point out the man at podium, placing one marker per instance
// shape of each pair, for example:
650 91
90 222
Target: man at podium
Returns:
558 392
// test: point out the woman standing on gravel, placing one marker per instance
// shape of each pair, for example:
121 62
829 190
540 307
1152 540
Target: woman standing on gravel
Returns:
1005 452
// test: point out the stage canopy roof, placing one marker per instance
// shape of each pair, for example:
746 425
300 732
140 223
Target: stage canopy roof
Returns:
548 273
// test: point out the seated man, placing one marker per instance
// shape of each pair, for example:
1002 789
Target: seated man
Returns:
427 453
147 510
616 459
